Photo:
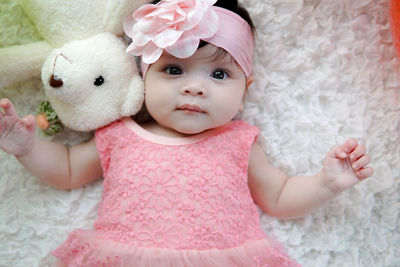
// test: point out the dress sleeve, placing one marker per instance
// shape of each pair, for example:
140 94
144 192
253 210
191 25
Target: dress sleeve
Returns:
103 139
243 137
247 133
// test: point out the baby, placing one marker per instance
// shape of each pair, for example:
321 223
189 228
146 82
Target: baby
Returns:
179 190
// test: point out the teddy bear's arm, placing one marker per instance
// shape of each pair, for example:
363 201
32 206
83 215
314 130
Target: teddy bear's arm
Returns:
21 62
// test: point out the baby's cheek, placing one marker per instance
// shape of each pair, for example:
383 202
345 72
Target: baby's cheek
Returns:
228 110
154 103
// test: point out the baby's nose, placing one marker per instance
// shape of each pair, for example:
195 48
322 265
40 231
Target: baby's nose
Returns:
194 91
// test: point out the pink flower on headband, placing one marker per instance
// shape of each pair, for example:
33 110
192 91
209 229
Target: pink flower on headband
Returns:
174 25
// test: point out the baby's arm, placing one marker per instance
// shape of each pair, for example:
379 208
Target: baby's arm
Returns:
285 197
55 164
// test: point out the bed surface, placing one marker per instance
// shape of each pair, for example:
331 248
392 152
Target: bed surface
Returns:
324 71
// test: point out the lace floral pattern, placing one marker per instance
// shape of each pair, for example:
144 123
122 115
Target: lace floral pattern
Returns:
158 189
180 197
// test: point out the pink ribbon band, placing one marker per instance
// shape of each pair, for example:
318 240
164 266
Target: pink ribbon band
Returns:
178 26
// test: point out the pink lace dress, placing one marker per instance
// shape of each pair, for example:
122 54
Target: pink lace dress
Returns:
174 202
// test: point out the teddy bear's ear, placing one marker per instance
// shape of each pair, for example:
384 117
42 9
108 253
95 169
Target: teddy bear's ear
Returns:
60 21
133 100
116 11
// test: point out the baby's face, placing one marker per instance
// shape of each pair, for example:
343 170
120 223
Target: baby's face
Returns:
194 94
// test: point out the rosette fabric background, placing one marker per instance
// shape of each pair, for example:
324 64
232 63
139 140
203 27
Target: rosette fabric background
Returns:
324 71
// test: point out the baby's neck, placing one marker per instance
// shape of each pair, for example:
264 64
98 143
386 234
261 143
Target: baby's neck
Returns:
155 128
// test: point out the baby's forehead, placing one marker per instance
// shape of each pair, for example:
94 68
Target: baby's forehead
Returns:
206 54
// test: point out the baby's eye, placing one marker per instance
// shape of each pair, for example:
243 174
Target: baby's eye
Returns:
219 74
173 70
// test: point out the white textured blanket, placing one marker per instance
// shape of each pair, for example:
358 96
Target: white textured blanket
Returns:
325 70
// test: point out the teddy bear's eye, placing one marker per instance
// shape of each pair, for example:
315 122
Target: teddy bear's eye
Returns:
99 81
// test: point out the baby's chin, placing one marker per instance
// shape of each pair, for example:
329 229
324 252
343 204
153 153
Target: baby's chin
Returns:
188 130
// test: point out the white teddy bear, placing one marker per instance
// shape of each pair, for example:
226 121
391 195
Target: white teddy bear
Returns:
59 22
92 82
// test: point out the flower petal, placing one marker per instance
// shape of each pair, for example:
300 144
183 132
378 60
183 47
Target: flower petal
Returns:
185 47
210 2
167 37
140 39
128 26
134 50
151 53
208 25
176 26
144 11
195 15
150 27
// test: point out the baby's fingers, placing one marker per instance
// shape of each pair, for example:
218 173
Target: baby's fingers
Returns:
360 165
338 152
349 145
361 162
29 122
344 150
8 108
3 107
364 173
358 152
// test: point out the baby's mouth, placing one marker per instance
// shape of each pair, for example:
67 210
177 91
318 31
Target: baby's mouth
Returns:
191 108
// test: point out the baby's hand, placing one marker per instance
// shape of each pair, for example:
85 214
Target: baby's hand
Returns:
346 165
17 135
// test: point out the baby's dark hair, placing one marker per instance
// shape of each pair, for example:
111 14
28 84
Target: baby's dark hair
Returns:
233 6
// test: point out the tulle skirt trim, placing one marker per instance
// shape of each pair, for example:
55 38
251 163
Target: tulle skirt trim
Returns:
85 248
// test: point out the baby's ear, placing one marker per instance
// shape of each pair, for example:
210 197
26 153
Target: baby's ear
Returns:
249 81
133 100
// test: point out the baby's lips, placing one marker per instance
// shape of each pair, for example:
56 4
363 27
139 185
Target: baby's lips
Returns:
191 108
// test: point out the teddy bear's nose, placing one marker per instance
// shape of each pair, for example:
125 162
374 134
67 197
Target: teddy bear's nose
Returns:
55 81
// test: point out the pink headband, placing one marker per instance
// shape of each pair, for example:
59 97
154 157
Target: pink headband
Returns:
177 26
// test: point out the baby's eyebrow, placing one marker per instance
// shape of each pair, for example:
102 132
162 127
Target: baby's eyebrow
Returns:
168 57
227 61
